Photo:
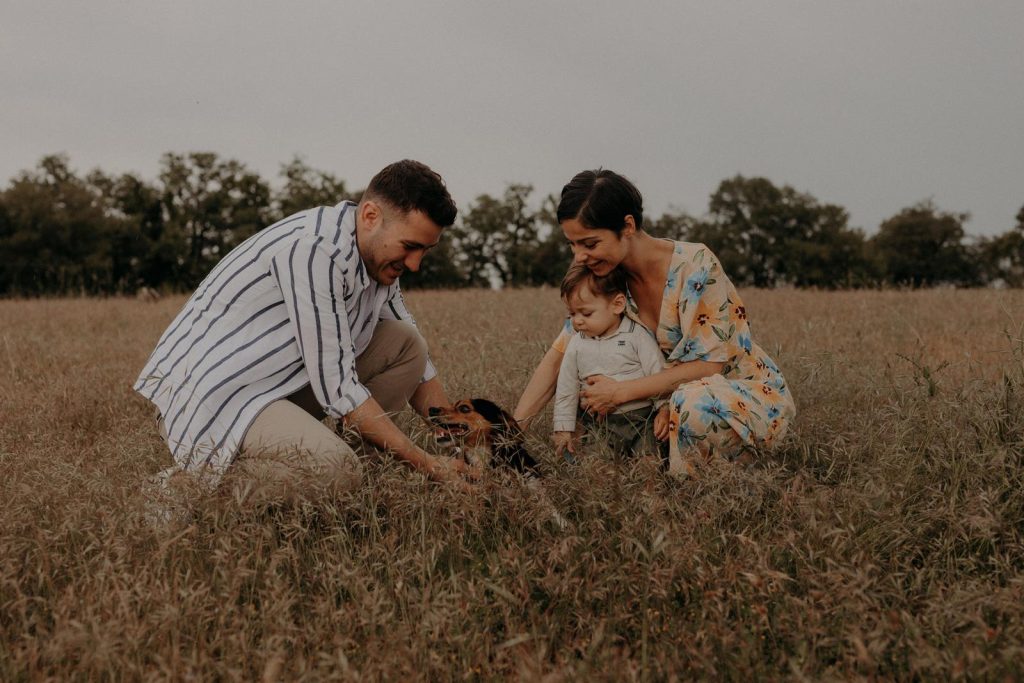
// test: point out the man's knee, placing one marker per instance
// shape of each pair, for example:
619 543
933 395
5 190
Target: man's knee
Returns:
262 476
405 342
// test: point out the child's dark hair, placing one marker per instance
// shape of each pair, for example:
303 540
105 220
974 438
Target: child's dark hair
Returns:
606 286
409 185
601 199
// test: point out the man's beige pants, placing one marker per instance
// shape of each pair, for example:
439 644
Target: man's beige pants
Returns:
288 452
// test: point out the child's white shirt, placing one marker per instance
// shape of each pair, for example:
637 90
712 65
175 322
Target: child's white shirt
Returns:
630 352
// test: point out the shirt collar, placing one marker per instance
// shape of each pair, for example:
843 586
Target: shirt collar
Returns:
626 325
348 223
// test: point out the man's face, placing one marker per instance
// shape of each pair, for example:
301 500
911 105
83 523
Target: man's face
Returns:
392 242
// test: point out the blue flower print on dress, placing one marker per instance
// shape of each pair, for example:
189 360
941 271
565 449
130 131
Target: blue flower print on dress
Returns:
673 276
712 410
741 389
674 335
743 341
686 436
690 349
696 285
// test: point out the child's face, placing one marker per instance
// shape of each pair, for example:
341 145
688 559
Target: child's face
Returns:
595 315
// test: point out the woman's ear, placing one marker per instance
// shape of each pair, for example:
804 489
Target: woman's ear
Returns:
629 227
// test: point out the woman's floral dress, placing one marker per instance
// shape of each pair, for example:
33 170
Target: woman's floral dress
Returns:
744 407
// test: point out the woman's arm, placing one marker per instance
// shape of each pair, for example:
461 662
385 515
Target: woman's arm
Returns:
540 388
604 394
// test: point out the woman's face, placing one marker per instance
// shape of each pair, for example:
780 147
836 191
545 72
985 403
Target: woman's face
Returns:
599 250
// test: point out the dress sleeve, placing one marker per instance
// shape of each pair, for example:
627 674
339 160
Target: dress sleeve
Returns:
567 391
394 309
312 287
709 327
561 342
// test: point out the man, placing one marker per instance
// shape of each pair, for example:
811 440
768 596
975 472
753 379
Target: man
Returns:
302 320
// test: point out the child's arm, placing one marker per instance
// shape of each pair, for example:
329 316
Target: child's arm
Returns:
567 401
567 391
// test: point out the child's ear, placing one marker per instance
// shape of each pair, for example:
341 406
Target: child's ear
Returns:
619 303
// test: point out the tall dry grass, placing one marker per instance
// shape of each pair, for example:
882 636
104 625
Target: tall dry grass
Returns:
882 540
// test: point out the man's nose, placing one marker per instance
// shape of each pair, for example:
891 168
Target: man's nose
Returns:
413 261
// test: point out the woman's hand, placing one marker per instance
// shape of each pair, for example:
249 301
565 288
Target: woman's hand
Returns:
662 424
601 395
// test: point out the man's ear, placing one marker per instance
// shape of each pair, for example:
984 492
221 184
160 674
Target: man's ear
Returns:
370 214
619 303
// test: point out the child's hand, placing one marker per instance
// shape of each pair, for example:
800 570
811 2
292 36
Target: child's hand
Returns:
563 441
661 424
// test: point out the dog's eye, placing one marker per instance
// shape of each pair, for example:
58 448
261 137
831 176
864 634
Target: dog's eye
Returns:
465 409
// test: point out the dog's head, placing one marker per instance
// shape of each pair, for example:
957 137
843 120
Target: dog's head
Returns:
479 423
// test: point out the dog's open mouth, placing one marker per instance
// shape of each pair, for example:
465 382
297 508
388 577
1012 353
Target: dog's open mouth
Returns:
449 431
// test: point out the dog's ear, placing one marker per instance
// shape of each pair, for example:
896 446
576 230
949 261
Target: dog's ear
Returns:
508 444
494 414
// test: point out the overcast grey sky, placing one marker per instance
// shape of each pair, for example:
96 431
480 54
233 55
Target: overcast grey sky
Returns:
870 105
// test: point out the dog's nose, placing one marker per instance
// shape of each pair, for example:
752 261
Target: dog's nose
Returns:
433 411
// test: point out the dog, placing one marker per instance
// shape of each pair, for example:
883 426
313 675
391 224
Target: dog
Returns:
479 429
483 429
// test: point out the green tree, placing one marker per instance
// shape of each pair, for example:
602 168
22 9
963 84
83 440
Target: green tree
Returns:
1001 258
143 253
499 237
53 234
922 246
673 226
766 235
211 204
552 255
306 187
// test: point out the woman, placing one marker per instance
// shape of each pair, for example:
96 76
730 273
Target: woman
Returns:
727 396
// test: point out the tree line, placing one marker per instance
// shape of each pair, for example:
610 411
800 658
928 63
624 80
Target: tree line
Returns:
61 233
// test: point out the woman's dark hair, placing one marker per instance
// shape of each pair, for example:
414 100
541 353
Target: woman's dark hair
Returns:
409 185
605 286
601 199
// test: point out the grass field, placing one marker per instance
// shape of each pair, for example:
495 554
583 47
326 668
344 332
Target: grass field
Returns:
884 539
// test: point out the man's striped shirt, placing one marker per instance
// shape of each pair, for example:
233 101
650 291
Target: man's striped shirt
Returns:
290 306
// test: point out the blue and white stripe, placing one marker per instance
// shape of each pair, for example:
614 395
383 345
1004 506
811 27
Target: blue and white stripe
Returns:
291 306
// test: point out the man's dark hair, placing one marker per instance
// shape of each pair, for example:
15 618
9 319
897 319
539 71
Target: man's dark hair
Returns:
601 199
409 185
605 286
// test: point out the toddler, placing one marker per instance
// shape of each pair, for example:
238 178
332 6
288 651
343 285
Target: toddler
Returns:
606 342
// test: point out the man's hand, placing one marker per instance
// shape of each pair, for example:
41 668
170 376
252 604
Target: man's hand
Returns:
374 425
452 469
662 424
601 395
